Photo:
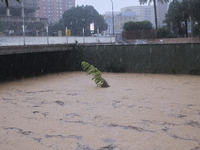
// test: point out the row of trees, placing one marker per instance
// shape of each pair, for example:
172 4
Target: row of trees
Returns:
78 18
180 12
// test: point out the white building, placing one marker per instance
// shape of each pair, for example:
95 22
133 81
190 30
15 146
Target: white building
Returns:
161 11
119 19
142 12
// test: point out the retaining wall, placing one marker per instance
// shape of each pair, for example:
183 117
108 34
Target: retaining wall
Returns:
147 58
21 62
154 58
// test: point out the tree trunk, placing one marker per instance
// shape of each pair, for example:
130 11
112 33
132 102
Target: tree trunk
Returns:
186 27
192 26
155 13
179 29
105 84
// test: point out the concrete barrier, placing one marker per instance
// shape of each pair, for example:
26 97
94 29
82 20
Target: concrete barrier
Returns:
9 41
7 50
146 58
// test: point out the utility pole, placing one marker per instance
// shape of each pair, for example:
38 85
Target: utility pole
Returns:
113 19
23 21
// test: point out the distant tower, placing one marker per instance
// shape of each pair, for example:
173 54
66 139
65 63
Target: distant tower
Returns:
54 9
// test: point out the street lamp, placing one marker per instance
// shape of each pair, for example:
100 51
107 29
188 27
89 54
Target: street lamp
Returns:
113 18
23 21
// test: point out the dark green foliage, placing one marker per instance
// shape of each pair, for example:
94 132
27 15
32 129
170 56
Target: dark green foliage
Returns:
139 25
2 26
164 32
195 10
96 74
174 18
80 17
55 28
196 29
138 30
179 12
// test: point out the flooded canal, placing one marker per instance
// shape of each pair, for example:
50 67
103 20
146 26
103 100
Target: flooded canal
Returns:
67 111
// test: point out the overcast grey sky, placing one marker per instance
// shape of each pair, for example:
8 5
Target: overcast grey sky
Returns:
105 5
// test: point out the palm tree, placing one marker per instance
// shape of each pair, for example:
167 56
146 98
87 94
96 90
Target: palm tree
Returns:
186 13
174 17
155 9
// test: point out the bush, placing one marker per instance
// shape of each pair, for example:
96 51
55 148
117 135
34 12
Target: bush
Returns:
139 25
196 30
164 32
101 82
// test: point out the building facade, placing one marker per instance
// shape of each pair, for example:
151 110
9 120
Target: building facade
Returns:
16 17
143 13
119 19
54 9
15 8
161 11
108 19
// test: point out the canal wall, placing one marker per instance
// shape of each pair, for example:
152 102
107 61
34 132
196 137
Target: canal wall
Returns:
18 62
147 58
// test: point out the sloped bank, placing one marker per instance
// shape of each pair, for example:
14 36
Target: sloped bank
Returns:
147 58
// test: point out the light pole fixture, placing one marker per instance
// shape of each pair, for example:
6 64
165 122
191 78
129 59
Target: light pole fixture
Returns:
66 32
47 29
113 19
23 21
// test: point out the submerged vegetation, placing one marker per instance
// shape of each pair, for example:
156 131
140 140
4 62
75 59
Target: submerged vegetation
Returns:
101 82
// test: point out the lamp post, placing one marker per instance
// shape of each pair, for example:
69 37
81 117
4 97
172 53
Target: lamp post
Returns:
113 18
66 32
47 30
23 21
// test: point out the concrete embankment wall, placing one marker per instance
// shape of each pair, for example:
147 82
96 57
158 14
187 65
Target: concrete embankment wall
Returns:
155 58
21 62
147 58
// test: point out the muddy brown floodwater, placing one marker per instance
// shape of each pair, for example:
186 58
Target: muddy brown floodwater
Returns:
67 111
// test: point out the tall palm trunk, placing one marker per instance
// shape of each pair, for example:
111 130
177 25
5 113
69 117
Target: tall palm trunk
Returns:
186 28
186 17
155 13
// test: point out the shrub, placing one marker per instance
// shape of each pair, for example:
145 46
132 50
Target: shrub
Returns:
101 82
139 25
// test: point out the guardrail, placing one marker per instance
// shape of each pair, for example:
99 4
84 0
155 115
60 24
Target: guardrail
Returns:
20 40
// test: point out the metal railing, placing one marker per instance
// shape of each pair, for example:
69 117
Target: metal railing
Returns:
41 40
